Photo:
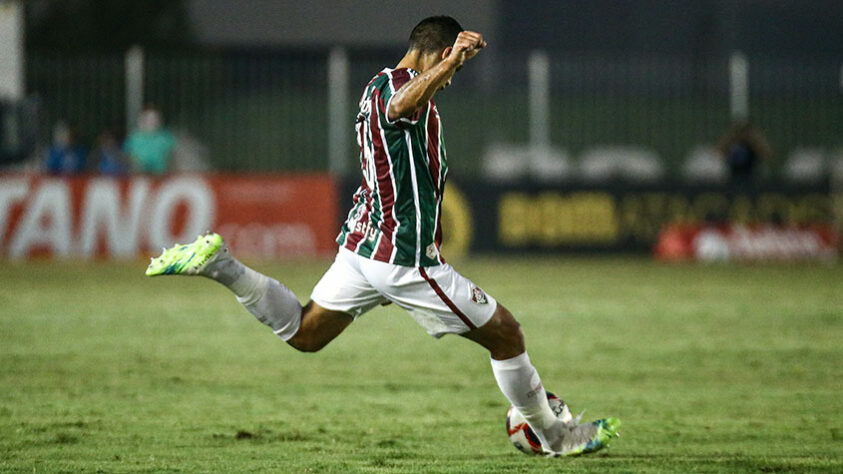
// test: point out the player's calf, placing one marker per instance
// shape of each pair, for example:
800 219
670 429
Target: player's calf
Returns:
318 327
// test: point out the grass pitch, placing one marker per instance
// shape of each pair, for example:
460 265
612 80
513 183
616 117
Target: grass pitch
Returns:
710 368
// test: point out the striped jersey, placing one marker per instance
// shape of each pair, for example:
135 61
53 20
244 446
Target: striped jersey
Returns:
395 216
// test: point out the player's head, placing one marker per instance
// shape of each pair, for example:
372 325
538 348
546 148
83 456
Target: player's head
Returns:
432 35
432 40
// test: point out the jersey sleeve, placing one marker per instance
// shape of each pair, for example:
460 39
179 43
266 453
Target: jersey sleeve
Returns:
387 89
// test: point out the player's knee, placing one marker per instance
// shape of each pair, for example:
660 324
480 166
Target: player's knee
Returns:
515 333
510 334
318 328
507 321
501 335
514 336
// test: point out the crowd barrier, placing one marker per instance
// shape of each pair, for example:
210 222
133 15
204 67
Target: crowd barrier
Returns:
291 215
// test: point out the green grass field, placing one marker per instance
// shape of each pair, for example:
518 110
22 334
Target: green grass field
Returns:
711 368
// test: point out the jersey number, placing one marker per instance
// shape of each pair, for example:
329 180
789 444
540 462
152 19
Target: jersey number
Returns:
364 134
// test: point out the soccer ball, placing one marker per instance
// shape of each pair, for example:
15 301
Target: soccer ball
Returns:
519 431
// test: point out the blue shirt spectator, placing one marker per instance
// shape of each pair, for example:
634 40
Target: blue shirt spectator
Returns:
108 155
65 155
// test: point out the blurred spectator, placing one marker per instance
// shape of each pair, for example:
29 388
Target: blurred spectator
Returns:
744 148
108 155
66 156
150 145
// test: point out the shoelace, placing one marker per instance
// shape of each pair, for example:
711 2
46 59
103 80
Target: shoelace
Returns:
579 417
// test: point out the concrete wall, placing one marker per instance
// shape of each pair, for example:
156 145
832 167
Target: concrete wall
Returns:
326 22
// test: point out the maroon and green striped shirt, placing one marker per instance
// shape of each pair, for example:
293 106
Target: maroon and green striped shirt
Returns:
396 213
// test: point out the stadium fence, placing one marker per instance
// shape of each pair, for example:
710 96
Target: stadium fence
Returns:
293 110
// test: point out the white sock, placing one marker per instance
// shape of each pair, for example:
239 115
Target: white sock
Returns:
268 300
520 383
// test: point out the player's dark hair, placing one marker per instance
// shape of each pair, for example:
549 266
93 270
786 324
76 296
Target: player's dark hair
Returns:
434 34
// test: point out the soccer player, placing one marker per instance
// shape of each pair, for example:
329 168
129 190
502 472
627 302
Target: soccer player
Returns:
390 242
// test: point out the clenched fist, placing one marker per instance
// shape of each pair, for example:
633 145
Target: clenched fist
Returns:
467 45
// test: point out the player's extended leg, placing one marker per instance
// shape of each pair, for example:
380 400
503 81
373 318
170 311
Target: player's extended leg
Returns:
520 383
307 329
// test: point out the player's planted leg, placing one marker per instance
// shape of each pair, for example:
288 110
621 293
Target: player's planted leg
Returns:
520 383
268 300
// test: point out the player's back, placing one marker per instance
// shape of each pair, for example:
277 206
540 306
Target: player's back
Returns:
396 213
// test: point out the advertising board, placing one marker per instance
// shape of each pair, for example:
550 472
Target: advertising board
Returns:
88 216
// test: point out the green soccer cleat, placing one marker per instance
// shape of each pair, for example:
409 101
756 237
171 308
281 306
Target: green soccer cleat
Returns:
188 259
585 438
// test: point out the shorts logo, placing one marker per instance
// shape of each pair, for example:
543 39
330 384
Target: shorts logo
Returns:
478 296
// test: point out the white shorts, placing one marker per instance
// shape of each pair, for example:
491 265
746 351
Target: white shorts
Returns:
438 298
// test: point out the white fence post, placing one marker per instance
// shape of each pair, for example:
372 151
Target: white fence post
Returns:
538 69
338 120
134 85
12 52
738 86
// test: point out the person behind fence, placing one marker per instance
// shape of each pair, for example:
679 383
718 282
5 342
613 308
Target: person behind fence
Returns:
66 154
744 148
108 155
150 145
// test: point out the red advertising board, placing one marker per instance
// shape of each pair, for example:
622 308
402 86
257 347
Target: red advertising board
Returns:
746 243
88 216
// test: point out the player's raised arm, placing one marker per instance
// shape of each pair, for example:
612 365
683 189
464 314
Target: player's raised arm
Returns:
419 90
